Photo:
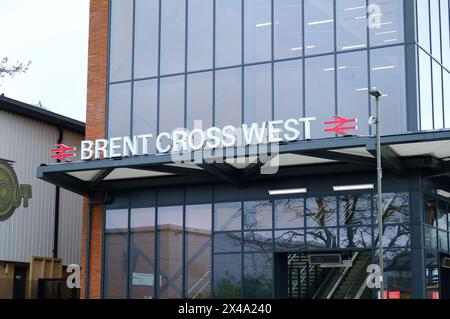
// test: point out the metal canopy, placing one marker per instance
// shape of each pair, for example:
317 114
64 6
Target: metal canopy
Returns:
426 150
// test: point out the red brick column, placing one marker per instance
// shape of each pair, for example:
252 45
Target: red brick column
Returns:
96 128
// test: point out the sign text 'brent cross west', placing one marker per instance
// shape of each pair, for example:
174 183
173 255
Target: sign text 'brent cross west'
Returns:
184 140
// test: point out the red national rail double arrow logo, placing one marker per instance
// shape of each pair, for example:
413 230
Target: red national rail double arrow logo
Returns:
63 152
341 125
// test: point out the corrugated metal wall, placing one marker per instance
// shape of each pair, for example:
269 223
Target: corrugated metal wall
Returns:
29 232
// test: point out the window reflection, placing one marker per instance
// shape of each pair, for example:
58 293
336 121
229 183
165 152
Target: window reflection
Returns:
355 237
395 207
230 242
388 75
319 26
289 240
288 29
353 87
121 40
199 99
258 276
258 93
397 271
146 37
396 236
423 21
227 216
228 100
289 213
198 251
200 34
170 261
355 209
257 215
171 104
430 216
142 253
145 109
390 28
445 25
119 111
288 89
320 99
432 274
435 29
438 110
442 215
321 238
227 276
257 31
321 212
116 254
426 95
257 241
228 32
173 15
351 24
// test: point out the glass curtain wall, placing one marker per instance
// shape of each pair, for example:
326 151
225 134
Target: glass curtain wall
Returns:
167 248
228 62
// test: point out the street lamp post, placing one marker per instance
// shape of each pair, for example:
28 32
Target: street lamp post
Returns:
377 94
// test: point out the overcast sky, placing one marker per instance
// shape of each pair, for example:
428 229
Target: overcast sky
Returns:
53 34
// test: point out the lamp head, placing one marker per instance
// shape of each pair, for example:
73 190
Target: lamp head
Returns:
375 93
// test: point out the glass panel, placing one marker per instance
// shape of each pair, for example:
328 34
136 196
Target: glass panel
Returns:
199 100
289 240
423 21
430 238
438 108
430 217
352 237
432 274
395 208
288 29
121 45
258 274
228 242
442 240
442 215
228 32
445 25
351 24
447 98
170 261
142 253
258 94
200 34
290 213
258 241
396 236
386 24
171 105
145 109
119 110
426 97
353 84
258 215
388 75
257 30
172 36
198 251
397 272
319 26
227 276
321 238
355 209
116 254
321 212
228 97
146 38
227 216
320 99
435 29
288 90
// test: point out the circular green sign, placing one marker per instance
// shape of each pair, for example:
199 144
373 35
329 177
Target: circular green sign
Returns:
9 191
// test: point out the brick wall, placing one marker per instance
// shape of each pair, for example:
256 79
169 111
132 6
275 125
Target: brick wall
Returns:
95 128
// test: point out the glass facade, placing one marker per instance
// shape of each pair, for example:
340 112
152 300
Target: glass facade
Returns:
262 59
227 62
433 38
225 248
